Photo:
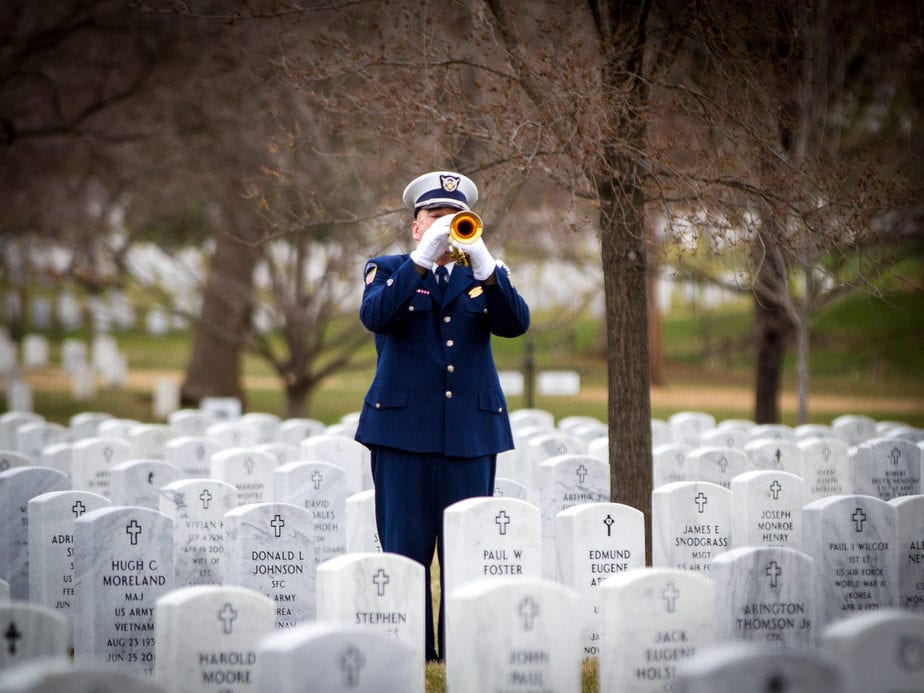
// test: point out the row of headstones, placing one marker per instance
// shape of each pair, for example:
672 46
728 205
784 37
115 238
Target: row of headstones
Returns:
505 624
114 310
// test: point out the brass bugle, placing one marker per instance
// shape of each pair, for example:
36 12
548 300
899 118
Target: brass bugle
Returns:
465 228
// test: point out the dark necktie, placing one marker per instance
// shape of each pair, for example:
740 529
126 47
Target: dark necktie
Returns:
442 278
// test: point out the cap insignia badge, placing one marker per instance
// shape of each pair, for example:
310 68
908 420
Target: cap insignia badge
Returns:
449 183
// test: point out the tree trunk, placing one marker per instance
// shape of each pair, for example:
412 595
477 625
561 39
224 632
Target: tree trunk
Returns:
655 341
214 368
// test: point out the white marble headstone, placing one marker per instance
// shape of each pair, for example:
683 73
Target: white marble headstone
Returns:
190 422
690 525
295 431
33 437
826 468
854 428
232 434
138 482
766 509
669 464
264 424
853 540
59 675
197 508
688 426
775 455
149 440
909 519
86 423
10 421
380 591
249 470
718 465
653 619
514 634
269 548
352 456
207 637
124 564
508 488
597 541
13 458
30 631
887 468
362 534
92 460
191 454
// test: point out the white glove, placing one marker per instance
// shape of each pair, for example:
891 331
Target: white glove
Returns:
481 260
433 243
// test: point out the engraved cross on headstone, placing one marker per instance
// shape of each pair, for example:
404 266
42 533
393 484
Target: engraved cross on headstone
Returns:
910 653
723 463
775 489
609 522
701 501
78 508
277 524
249 464
582 473
779 456
381 579
206 498
826 453
895 455
317 478
108 452
528 610
227 616
200 452
502 520
773 571
670 595
351 661
133 529
12 634
859 517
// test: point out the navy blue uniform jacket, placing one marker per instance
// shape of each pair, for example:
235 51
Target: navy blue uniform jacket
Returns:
436 388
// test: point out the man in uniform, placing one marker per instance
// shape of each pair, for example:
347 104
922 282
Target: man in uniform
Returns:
435 416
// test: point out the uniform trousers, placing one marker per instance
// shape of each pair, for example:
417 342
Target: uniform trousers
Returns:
411 492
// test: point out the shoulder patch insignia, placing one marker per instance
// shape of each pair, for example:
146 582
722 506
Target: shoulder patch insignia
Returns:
371 269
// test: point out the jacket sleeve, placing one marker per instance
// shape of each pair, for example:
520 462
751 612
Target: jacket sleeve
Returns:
507 310
390 284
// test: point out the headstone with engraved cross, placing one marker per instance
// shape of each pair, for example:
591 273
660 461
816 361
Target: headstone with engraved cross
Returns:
362 534
508 488
295 431
718 465
669 463
340 659
909 517
688 426
690 525
854 542
597 541
322 489
10 421
269 548
775 455
854 428
190 422
826 468
14 458
207 637
381 591
138 482
566 481
192 455
197 508
887 468
249 470
880 651
766 509
30 631
541 448
763 595
92 460
653 619
344 452
514 634
124 563
35 436
51 546
17 487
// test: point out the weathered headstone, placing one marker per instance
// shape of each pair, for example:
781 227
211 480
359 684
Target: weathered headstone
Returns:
887 468
29 632
92 460
51 546
669 464
340 659
690 525
344 452
207 637
362 534
322 489
854 543
742 667
597 541
766 509
508 488
566 481
247 469
718 465
854 428
826 468
138 482
17 487
197 508
381 591
269 548
762 596
653 619
514 634
882 651
775 455
909 521
124 564
192 455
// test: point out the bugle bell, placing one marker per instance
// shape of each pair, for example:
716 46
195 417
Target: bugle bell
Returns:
464 228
